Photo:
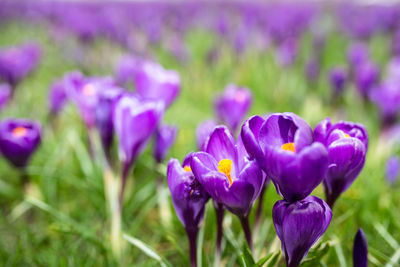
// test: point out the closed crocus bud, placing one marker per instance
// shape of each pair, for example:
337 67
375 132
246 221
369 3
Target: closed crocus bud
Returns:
283 146
153 82
366 76
125 70
231 107
5 94
19 138
227 174
337 79
203 132
392 169
107 97
347 145
360 250
57 97
164 139
189 199
299 225
17 62
135 122
287 52
312 70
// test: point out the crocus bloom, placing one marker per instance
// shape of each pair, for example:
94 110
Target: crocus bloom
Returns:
126 68
203 132
366 76
57 97
5 94
19 138
386 97
299 225
312 69
347 145
357 54
153 82
283 146
232 106
84 93
135 122
392 169
189 199
337 79
17 62
360 250
164 139
226 173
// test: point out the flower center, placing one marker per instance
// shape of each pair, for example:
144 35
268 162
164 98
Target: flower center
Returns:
240 96
225 166
19 131
187 169
289 147
89 90
346 135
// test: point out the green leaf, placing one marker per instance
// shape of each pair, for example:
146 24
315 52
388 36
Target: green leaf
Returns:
262 261
315 255
274 259
247 257
146 249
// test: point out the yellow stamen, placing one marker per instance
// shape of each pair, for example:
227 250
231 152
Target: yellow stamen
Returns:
191 193
19 131
88 89
187 168
289 147
346 135
225 166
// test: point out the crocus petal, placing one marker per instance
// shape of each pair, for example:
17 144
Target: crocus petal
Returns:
250 137
321 130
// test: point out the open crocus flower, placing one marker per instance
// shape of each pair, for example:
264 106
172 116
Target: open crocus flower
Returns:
347 145
164 139
153 82
5 94
299 225
232 106
57 97
226 173
283 146
203 132
17 62
189 199
19 139
134 122
360 250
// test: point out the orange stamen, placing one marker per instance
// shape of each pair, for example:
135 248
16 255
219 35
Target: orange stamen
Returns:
88 90
289 147
225 166
19 131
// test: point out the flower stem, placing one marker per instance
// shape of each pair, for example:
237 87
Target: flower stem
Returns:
192 236
244 220
219 211
260 205
125 172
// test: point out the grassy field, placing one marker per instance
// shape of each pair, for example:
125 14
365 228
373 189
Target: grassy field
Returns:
64 220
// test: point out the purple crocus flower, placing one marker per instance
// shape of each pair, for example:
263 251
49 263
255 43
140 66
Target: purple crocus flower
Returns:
164 139
357 54
125 70
5 94
366 76
232 106
226 173
107 97
134 122
283 146
337 79
17 62
203 132
57 97
312 69
84 93
386 97
347 145
189 199
299 225
392 169
360 250
153 82
19 138
287 52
